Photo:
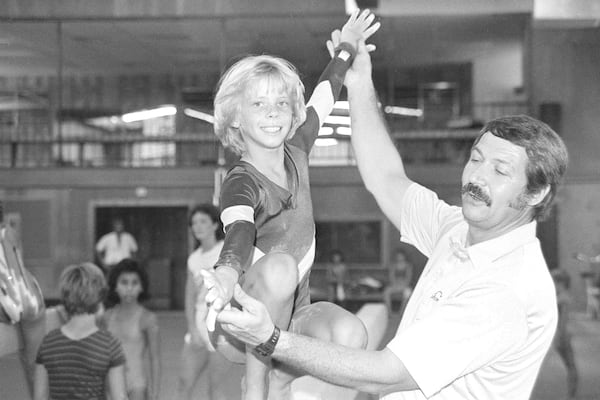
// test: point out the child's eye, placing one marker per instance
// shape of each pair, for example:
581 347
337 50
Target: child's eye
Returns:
257 104
284 103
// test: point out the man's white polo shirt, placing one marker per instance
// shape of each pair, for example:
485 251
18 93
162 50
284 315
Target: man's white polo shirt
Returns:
481 318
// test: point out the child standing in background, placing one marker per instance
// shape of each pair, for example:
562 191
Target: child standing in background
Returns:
135 327
562 338
76 360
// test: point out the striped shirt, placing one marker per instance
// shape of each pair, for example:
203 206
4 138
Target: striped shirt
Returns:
77 369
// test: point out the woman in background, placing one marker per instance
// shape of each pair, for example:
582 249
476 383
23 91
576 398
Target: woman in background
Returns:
208 233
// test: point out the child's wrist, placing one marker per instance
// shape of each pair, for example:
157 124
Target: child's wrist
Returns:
345 51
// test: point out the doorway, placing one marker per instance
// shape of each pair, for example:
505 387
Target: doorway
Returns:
163 246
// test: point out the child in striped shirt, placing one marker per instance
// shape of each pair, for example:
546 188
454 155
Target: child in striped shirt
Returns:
76 360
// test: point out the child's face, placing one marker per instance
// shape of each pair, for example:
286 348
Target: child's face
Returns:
129 287
266 114
202 226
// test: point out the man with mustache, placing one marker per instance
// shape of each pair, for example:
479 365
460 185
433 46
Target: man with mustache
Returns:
483 313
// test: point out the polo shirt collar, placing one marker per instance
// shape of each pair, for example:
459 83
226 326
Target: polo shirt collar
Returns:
487 252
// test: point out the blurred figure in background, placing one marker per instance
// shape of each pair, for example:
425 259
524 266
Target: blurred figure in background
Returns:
207 230
21 299
337 277
400 281
591 278
115 246
79 360
562 338
136 328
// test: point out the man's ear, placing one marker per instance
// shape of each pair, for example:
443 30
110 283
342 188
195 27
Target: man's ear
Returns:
534 199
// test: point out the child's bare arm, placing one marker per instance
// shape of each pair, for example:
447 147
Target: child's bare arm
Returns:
40 384
153 337
116 383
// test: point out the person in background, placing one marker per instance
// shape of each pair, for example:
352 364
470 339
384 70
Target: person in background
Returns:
21 299
591 277
116 245
207 230
563 338
135 327
400 280
337 276
78 360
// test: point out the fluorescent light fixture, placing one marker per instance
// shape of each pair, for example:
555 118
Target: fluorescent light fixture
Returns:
190 112
325 142
337 120
326 131
343 130
142 115
341 105
406 111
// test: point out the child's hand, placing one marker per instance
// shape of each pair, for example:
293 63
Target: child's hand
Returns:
359 26
220 285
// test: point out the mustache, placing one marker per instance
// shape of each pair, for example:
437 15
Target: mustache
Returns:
476 192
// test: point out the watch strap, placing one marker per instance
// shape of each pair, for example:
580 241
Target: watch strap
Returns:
267 348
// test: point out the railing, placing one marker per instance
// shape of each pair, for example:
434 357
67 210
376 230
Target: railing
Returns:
25 146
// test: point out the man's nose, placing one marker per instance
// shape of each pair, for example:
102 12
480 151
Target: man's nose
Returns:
479 175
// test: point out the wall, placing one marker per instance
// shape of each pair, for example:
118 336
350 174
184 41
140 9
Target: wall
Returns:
565 70
56 206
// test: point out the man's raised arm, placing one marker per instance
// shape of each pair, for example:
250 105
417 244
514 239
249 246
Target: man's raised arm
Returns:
378 160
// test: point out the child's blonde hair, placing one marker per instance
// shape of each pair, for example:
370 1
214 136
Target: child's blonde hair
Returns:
231 89
82 288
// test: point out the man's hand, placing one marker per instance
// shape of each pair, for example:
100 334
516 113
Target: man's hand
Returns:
358 27
252 325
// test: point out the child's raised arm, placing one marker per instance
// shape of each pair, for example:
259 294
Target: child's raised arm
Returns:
359 26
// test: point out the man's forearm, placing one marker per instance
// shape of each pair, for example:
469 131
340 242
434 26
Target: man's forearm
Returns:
374 150
364 370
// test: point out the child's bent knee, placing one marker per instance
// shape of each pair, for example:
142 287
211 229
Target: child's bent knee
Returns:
350 331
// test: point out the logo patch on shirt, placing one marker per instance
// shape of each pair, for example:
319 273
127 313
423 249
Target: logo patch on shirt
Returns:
437 296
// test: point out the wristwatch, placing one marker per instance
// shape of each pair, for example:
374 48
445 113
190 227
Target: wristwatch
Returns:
267 348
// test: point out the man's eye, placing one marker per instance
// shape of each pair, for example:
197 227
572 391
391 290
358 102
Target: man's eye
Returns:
501 172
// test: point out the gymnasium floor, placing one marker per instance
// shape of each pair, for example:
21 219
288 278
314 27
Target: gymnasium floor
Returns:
551 383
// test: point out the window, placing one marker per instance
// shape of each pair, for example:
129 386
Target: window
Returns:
359 241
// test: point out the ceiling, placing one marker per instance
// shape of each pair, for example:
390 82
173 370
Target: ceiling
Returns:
203 44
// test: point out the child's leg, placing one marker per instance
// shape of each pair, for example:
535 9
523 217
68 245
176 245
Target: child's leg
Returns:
137 394
272 280
565 350
194 360
325 321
